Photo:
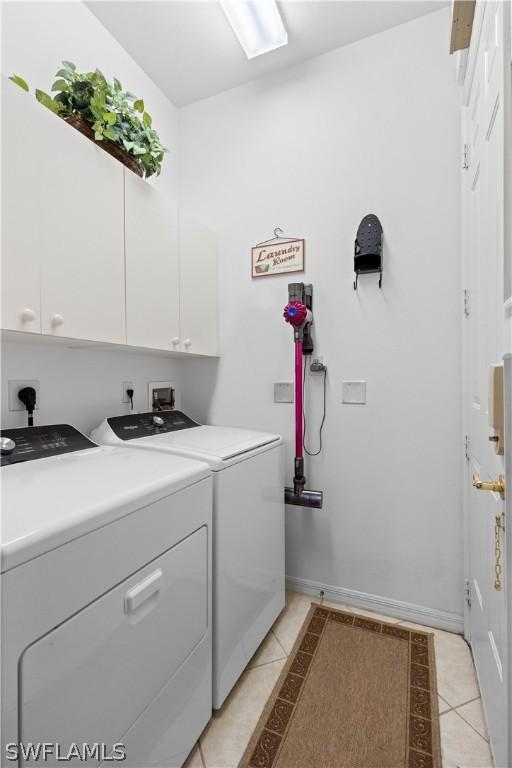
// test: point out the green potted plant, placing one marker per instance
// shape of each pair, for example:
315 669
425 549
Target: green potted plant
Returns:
103 112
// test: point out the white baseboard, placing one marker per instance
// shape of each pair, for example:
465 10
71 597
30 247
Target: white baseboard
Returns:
418 614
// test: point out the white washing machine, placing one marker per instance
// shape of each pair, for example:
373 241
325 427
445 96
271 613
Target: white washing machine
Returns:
248 525
106 599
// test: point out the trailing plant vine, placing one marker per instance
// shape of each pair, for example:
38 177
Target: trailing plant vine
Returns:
113 113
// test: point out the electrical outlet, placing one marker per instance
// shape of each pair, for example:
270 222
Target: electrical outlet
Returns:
283 392
316 362
14 387
163 392
127 385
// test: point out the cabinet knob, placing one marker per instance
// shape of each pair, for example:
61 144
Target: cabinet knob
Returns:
175 341
28 315
57 320
187 342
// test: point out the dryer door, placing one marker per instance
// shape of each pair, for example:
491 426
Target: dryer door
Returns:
90 678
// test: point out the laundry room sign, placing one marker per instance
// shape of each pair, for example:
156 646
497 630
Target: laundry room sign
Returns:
277 256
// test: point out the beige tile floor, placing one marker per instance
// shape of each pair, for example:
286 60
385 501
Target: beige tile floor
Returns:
463 732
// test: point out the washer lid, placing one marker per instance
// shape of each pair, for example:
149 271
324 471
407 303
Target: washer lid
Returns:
222 443
49 502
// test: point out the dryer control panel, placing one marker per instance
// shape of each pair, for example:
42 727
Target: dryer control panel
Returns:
29 443
144 424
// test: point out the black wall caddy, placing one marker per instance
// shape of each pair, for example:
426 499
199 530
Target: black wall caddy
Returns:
368 248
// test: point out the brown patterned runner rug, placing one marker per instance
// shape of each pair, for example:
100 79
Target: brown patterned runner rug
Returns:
355 693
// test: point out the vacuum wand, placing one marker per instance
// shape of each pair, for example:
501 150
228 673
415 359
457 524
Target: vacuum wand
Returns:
300 318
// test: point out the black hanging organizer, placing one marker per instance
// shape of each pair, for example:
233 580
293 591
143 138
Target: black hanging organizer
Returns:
368 248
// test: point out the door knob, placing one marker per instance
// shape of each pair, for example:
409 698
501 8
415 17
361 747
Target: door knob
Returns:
497 486
28 315
57 320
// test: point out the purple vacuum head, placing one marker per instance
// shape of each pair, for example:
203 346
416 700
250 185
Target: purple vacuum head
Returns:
295 313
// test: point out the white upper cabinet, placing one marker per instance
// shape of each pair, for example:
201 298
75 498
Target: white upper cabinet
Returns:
198 287
91 251
82 289
152 269
22 221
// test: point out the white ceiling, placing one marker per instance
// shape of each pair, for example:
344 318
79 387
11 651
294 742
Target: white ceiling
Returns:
189 50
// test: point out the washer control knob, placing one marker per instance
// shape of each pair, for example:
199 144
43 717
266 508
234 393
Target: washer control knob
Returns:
187 342
57 320
6 445
158 421
175 341
28 315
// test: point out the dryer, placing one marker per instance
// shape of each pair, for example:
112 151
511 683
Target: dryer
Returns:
248 524
106 599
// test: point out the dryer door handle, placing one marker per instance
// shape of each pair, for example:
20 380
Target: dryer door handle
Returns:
142 591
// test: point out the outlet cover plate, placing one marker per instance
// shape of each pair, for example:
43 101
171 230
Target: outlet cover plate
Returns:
14 387
354 392
283 392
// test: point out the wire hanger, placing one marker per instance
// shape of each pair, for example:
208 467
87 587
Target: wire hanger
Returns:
278 237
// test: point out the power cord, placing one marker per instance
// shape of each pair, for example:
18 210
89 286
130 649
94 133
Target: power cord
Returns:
129 394
27 395
313 453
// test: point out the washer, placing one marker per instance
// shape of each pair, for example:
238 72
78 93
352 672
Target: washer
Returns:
248 525
106 598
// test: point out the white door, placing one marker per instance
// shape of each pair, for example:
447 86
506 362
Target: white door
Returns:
198 287
22 222
484 262
82 243
152 270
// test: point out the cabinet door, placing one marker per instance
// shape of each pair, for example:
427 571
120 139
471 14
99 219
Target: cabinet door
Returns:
23 140
82 290
152 269
198 287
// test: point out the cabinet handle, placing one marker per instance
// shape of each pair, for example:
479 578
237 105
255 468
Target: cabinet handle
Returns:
187 342
175 341
28 315
57 320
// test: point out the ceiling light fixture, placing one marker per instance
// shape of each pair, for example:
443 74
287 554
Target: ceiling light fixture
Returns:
257 24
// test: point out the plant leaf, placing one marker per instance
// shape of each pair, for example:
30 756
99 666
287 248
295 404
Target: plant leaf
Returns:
66 74
110 134
98 136
117 85
19 81
60 85
47 101
139 105
146 119
109 117
128 145
69 65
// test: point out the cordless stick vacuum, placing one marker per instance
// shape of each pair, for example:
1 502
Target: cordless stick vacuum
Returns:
298 312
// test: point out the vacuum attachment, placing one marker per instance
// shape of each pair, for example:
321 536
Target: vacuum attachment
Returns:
300 496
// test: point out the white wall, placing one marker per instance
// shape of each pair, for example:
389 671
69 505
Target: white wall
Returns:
79 386
372 127
37 36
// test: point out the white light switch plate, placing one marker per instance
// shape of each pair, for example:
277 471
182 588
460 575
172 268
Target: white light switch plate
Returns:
354 392
283 392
